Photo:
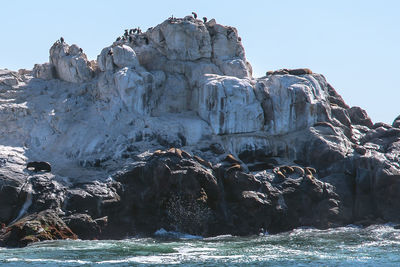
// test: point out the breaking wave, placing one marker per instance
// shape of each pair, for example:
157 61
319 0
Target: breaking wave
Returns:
344 246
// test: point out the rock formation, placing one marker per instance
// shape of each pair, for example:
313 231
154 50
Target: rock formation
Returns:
168 129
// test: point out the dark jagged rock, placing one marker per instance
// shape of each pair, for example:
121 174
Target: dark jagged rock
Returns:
396 122
83 226
45 225
360 117
168 184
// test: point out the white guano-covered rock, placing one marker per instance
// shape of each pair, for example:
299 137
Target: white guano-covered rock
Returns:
173 96
44 71
225 42
70 64
229 105
131 87
124 56
293 103
228 52
188 83
117 56
183 39
127 89
105 59
235 68
177 44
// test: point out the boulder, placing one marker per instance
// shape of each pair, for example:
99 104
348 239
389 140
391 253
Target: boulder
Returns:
360 117
182 39
124 56
70 64
83 226
116 57
45 225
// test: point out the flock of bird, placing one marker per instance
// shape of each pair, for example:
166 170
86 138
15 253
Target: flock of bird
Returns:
129 35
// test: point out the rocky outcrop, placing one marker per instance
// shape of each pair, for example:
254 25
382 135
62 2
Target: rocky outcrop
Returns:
275 152
44 71
177 191
33 228
182 41
67 63
218 100
191 197
118 56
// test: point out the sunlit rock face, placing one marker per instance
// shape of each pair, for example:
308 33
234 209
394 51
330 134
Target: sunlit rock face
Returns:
70 63
229 105
275 152
293 103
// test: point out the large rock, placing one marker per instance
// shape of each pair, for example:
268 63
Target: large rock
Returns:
70 63
172 44
223 200
118 56
11 198
45 225
83 225
277 152
293 103
229 105
182 39
228 52
360 117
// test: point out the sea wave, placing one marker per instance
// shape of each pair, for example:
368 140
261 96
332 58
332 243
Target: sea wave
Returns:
172 234
343 246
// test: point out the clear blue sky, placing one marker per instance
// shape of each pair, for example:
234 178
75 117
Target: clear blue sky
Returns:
355 44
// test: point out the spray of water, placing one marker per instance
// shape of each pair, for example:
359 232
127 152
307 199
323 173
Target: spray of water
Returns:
27 204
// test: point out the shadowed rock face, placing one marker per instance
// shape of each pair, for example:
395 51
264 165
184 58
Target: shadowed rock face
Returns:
176 191
275 152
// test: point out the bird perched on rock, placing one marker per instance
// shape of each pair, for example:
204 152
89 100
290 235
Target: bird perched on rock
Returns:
81 50
61 40
194 15
205 19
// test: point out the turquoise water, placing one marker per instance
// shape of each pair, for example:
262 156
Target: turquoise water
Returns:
346 246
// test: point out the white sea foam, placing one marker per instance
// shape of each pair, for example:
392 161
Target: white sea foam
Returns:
27 204
161 259
345 246
46 260
218 237
164 233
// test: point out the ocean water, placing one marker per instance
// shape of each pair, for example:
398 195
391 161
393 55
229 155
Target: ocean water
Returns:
346 246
